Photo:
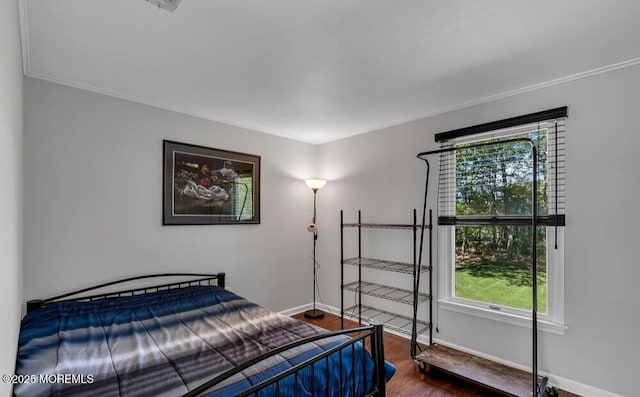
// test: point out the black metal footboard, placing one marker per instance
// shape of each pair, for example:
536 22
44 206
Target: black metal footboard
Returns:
347 384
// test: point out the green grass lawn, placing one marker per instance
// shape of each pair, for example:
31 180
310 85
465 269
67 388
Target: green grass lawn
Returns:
502 284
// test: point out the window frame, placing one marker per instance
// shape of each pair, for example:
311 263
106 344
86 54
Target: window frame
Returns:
553 320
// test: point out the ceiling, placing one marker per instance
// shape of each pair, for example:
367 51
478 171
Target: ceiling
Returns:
320 70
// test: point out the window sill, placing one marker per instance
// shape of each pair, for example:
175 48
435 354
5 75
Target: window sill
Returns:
509 318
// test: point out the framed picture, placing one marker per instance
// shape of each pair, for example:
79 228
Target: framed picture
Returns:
207 186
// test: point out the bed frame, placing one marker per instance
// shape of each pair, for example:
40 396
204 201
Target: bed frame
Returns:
202 279
371 336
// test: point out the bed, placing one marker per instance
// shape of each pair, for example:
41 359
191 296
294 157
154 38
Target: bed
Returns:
188 338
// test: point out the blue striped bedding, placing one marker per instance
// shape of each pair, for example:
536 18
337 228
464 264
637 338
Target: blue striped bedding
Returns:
168 342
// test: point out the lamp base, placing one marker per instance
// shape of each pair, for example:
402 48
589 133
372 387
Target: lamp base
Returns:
314 314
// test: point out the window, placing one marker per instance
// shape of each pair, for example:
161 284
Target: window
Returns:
484 216
243 198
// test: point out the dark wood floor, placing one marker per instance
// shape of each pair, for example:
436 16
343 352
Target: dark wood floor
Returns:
409 381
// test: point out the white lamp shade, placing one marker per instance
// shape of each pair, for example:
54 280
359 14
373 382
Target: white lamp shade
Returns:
315 184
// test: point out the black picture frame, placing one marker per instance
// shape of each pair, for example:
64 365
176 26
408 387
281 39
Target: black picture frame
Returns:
208 186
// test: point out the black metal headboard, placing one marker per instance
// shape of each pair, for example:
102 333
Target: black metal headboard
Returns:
201 279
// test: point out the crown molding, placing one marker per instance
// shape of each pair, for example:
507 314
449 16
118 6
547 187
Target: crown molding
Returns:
506 94
115 94
24 36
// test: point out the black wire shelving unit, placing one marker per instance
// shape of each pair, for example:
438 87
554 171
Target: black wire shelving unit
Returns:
367 313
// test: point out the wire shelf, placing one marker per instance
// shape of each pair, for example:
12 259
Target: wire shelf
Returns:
379 264
408 226
386 292
390 320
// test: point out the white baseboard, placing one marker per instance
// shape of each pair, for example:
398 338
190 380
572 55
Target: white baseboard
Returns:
309 306
296 310
554 380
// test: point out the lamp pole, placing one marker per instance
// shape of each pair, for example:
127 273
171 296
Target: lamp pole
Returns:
314 314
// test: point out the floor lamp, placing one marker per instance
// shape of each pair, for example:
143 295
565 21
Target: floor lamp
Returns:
315 185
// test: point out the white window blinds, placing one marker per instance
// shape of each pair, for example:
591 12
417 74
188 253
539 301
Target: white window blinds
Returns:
486 172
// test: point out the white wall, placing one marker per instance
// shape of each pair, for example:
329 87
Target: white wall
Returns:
380 174
93 200
11 108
